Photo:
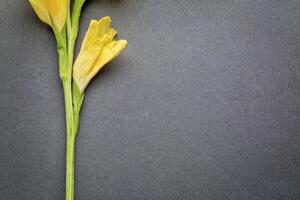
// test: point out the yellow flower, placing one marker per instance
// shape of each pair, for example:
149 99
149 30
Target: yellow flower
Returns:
52 12
98 48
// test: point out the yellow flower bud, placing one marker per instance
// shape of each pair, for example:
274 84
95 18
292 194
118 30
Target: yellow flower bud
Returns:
52 12
98 48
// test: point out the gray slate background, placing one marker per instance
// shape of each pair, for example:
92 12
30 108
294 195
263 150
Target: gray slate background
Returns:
203 104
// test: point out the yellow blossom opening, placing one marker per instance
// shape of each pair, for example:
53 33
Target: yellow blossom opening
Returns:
52 12
98 48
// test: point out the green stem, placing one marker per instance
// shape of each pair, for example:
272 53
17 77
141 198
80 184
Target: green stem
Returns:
77 102
68 107
70 136
72 28
65 72
75 17
72 36
65 47
70 160
60 37
72 110
71 42
70 142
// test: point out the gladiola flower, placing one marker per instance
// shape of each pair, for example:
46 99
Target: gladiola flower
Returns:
98 48
52 12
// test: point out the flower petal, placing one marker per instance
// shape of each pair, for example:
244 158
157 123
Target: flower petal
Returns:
96 29
41 11
109 52
98 48
52 12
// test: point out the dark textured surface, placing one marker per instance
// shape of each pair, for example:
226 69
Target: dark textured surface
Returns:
203 104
